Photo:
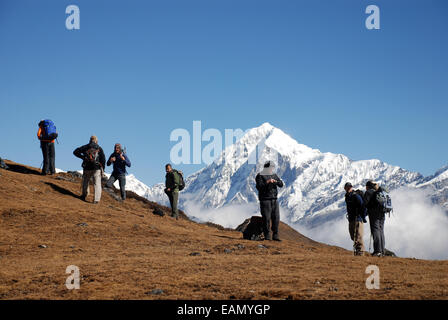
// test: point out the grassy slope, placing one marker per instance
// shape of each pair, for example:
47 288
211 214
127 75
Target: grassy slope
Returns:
125 252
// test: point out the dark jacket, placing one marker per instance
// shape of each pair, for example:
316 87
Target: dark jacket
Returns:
267 191
119 165
171 181
81 153
373 207
355 206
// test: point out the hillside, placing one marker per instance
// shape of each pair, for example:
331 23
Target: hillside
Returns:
124 251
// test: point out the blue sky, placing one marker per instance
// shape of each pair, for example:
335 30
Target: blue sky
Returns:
136 70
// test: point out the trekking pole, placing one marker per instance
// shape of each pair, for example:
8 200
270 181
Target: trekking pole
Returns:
355 234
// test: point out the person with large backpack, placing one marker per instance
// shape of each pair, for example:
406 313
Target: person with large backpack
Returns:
267 183
47 134
120 161
93 165
174 182
356 215
377 215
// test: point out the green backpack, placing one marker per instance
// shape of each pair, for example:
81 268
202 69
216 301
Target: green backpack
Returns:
179 179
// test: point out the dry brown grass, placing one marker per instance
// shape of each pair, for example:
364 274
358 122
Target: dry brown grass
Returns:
125 252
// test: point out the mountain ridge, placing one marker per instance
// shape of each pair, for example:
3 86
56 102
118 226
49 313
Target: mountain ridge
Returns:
314 180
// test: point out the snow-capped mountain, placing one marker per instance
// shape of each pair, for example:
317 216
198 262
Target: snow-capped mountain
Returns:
314 180
437 185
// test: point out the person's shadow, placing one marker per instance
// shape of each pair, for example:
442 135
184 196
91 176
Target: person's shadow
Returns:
22 169
64 191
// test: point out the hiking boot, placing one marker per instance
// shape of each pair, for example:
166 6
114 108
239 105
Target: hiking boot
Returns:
276 237
96 202
268 237
83 198
377 254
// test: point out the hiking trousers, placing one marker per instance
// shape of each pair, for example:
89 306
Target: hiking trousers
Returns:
48 154
270 212
174 198
86 176
377 231
121 180
356 229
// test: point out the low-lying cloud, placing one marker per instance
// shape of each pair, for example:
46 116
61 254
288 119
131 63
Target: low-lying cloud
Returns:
417 228
229 216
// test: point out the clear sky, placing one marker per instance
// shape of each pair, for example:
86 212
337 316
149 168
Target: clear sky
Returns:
136 70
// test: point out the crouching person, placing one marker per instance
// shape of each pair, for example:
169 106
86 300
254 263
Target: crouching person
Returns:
356 215
120 161
93 164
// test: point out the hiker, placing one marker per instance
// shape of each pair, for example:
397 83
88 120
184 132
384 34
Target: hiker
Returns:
47 134
266 183
120 161
172 187
376 218
93 164
356 215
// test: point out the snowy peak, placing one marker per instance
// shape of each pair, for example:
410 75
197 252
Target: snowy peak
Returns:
440 176
314 180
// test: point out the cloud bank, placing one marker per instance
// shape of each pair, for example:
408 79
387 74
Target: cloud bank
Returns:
417 228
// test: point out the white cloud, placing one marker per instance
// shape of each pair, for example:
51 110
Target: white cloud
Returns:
417 228
229 216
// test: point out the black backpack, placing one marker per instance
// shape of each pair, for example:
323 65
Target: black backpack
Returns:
254 229
92 155
360 193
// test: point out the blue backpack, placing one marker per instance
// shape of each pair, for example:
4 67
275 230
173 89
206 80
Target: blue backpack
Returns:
49 130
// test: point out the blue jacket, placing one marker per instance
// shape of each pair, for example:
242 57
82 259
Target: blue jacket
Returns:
119 165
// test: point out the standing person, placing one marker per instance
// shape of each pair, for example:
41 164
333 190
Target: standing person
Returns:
376 218
120 161
266 183
47 134
356 214
93 164
172 184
